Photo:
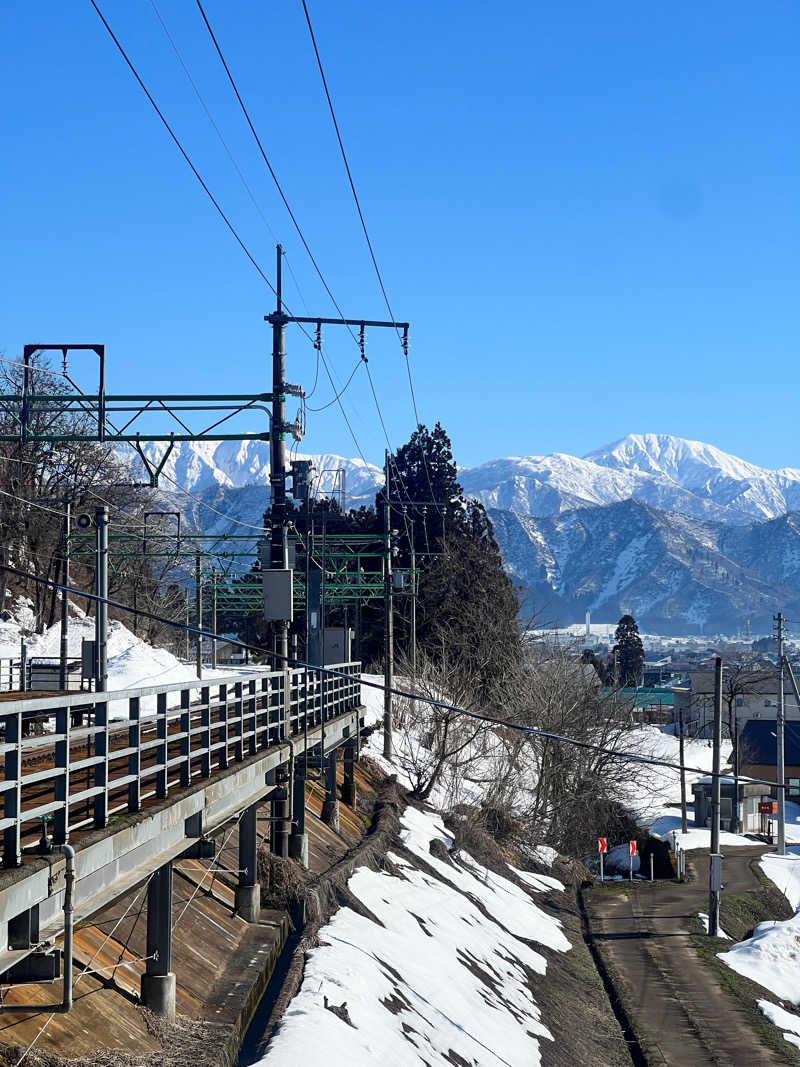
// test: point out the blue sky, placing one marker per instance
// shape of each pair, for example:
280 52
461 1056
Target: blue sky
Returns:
588 212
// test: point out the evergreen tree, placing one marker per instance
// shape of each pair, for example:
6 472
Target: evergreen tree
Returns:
629 651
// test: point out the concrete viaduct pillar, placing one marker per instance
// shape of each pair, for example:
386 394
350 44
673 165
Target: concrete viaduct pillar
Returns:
280 814
349 791
248 891
298 840
158 981
330 806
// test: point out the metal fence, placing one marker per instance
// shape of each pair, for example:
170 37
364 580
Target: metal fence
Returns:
95 756
40 673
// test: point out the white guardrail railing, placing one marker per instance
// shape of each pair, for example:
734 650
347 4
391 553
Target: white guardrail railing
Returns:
74 761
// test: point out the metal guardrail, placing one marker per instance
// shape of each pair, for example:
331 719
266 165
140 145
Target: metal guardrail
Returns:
88 766
40 673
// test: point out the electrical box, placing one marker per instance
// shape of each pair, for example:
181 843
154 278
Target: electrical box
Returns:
88 659
277 588
398 581
338 644
716 872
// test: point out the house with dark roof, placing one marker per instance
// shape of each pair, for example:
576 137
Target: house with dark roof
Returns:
758 753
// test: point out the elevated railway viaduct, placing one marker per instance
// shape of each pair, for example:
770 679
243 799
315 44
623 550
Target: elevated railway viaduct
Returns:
111 788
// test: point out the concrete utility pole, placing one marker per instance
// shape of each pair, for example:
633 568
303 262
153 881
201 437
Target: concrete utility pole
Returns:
684 824
780 776
279 545
198 613
388 623
715 859
101 589
62 670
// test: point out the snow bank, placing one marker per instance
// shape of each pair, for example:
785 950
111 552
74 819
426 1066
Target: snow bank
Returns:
445 977
784 871
783 1019
770 957
132 662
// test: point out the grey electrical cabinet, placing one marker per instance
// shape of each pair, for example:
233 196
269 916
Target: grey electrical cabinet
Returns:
277 586
338 643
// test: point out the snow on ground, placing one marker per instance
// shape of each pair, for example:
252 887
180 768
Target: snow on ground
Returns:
785 1020
703 917
784 871
770 957
439 980
132 662
653 789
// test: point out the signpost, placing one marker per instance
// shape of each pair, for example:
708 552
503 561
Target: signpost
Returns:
632 850
602 848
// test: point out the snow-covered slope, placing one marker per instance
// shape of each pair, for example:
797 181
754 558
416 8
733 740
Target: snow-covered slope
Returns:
437 970
674 573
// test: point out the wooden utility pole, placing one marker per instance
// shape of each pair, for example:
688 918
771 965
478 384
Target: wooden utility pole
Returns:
715 859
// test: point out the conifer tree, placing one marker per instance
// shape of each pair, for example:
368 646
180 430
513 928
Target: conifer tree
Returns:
629 651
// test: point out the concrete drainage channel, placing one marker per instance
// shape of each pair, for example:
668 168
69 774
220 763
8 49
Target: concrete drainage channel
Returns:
309 910
256 1039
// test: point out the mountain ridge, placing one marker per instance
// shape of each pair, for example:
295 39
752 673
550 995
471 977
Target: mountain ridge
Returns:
685 535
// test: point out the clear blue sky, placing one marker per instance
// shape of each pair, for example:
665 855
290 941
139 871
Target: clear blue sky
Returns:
589 212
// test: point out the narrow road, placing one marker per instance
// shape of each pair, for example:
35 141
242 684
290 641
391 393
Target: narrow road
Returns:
681 1015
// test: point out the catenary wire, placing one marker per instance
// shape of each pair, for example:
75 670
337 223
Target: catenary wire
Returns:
366 233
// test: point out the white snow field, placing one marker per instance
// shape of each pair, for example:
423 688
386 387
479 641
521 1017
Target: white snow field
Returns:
132 662
437 979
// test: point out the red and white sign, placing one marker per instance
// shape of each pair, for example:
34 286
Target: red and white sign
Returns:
602 844
768 807
632 846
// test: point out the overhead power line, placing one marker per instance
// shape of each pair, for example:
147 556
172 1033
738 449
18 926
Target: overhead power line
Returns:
301 235
180 147
368 239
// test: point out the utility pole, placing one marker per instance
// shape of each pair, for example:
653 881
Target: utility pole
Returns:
62 670
186 631
388 624
684 825
780 776
101 589
715 859
413 622
213 617
279 547
198 612
279 319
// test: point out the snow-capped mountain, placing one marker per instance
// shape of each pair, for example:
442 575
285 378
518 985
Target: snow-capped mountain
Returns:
666 472
681 533
199 466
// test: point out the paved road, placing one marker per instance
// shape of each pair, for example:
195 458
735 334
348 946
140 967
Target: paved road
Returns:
683 1016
